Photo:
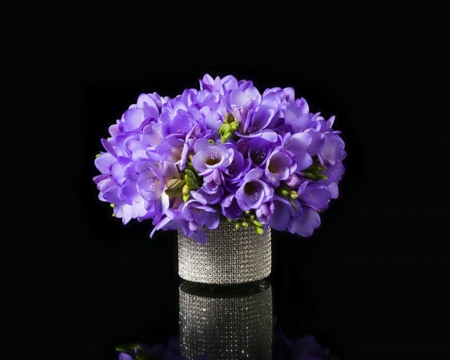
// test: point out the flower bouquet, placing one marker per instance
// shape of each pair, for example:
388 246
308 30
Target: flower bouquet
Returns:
223 153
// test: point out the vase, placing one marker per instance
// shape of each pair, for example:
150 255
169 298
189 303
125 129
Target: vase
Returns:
226 325
230 256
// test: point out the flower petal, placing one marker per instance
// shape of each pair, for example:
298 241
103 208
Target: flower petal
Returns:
133 118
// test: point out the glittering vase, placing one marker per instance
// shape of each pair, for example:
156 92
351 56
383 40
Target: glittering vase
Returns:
226 324
230 256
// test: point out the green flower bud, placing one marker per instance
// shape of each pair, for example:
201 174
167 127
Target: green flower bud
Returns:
259 230
321 177
257 223
234 126
228 118
175 184
186 193
191 182
285 193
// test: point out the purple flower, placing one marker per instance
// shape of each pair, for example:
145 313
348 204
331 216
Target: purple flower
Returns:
253 192
314 195
230 207
257 121
171 149
333 149
283 212
298 145
306 223
165 161
258 150
150 181
125 356
209 157
199 214
238 166
264 212
280 165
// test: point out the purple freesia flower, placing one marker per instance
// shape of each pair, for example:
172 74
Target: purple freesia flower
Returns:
280 165
231 208
314 195
210 157
253 192
165 161
198 214
258 150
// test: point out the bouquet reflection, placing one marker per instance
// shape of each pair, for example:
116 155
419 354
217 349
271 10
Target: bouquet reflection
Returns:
226 322
229 323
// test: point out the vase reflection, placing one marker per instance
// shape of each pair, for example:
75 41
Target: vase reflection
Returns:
232 322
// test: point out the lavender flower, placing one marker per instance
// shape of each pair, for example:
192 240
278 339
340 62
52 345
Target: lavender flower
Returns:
223 151
253 191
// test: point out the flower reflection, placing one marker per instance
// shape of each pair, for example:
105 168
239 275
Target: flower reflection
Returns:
228 322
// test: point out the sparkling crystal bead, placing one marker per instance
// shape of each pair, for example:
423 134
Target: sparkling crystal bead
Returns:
230 256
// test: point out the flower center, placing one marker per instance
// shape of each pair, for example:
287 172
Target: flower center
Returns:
258 156
273 168
213 159
251 189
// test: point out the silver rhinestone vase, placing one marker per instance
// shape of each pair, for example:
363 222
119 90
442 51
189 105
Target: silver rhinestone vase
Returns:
230 256
226 325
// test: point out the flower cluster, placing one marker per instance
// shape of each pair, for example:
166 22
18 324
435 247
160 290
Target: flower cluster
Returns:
225 152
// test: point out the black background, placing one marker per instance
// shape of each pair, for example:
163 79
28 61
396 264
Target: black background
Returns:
371 283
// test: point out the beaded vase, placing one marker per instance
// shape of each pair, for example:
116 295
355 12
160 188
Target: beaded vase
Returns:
230 256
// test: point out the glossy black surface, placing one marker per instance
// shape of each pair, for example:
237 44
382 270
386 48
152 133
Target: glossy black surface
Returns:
371 283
